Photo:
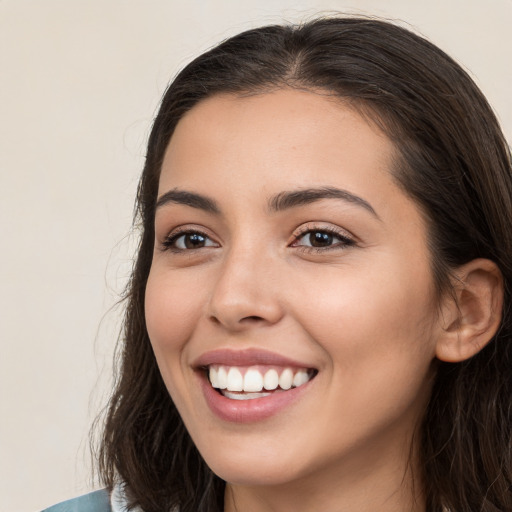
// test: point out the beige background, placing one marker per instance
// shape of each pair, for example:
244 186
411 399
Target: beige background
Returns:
79 83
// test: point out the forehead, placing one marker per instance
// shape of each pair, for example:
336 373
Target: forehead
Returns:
284 136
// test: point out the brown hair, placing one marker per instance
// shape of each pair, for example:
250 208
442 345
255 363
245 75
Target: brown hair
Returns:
454 162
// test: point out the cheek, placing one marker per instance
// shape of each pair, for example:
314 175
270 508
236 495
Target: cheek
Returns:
377 319
379 345
172 308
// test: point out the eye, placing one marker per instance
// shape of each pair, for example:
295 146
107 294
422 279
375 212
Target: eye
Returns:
318 239
188 240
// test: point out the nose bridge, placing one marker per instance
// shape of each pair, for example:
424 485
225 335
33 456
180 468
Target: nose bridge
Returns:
245 291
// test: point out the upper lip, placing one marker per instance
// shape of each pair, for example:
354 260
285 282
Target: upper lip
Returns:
246 357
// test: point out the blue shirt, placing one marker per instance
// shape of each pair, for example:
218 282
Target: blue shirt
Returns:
97 501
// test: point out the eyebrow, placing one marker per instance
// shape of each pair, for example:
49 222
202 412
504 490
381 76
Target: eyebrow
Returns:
188 199
295 198
280 202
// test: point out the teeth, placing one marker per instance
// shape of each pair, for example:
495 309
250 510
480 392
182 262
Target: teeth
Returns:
286 379
235 380
253 381
244 396
214 378
271 380
222 378
301 377
231 379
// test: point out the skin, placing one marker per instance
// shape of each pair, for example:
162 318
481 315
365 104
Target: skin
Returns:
363 312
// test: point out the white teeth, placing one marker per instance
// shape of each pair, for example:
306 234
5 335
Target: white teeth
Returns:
245 396
271 380
235 380
213 374
222 378
253 381
301 377
286 379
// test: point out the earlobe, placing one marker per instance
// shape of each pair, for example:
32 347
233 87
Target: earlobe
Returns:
471 315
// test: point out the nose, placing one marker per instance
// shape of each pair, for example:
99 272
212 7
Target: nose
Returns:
246 292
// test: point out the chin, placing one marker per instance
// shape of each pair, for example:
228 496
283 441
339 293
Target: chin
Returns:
258 461
251 473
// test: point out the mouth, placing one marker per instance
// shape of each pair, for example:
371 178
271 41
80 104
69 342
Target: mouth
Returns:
257 381
251 385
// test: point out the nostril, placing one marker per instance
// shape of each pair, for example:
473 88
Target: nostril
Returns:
252 318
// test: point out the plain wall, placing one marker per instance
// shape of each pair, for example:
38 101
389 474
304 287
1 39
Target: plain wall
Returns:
80 81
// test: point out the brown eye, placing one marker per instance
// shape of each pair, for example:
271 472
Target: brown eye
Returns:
194 241
322 239
188 241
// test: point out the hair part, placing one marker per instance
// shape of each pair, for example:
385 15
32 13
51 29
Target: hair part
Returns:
451 158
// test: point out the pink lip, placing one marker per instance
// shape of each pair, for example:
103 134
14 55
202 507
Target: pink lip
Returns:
247 357
247 411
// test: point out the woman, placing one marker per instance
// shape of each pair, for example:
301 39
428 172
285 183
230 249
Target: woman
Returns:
318 318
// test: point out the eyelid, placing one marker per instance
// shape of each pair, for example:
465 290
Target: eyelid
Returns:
175 233
320 226
347 239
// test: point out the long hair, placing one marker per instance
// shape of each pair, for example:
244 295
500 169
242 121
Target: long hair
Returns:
452 160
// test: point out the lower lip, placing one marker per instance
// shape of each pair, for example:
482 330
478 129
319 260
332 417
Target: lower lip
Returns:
248 411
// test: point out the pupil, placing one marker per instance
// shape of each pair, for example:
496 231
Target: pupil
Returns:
194 241
320 239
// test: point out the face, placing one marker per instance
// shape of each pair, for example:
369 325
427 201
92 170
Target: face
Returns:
289 267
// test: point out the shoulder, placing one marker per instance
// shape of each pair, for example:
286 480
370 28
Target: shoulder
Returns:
97 501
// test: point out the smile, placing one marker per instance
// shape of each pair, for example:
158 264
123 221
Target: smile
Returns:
247 383
251 385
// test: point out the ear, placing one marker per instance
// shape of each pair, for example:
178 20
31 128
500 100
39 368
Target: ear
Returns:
471 315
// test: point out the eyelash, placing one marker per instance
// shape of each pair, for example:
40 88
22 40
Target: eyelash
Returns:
345 241
169 243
